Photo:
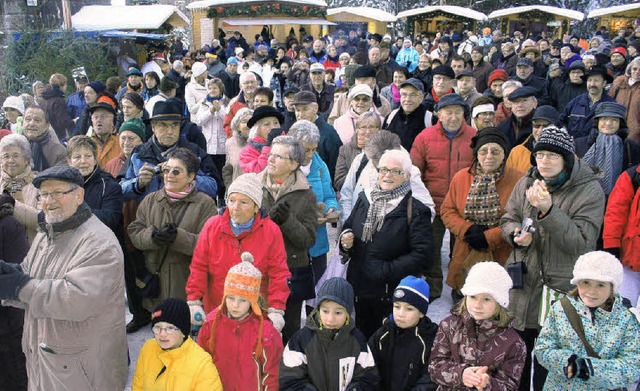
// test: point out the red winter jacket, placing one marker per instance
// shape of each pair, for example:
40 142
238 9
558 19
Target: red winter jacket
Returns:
440 158
622 221
235 342
218 249
253 160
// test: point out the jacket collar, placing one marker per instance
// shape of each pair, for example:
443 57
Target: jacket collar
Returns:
83 213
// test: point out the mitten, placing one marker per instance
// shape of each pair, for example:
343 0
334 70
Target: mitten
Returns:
571 365
475 237
12 280
273 133
584 368
280 212
197 312
277 318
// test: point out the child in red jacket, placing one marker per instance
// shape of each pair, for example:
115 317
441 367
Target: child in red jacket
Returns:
245 348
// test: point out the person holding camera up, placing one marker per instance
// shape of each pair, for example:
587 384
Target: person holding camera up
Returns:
562 197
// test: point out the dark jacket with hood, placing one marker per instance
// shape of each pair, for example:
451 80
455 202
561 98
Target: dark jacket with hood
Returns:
55 106
564 91
407 126
402 355
320 359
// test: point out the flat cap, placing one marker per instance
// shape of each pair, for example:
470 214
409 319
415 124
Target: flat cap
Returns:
364 71
464 73
59 173
451 100
304 98
522 92
525 62
444 70
413 82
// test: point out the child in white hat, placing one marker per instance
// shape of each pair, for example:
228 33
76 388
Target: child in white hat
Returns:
610 358
476 347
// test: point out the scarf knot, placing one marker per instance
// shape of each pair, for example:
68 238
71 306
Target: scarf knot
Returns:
377 208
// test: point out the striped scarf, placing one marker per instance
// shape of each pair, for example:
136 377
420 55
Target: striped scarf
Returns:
377 209
483 202
607 154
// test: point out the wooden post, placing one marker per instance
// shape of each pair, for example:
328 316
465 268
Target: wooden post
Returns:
66 15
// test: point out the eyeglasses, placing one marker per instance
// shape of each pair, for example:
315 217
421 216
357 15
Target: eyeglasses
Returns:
169 330
494 151
362 99
102 116
175 171
15 156
56 195
276 156
411 96
166 125
394 171
548 155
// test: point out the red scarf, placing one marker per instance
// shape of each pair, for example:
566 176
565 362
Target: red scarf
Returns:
435 97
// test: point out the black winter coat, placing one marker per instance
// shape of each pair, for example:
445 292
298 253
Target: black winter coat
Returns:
231 84
402 355
425 77
54 104
398 250
104 196
181 81
563 92
407 126
84 122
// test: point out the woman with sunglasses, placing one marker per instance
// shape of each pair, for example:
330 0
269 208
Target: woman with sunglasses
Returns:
172 360
168 222
387 237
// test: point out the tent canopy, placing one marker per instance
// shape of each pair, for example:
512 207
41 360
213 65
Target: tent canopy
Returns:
571 14
348 14
134 17
618 9
274 21
208 3
448 9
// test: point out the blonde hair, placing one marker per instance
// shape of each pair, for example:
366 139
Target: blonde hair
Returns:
502 315
57 80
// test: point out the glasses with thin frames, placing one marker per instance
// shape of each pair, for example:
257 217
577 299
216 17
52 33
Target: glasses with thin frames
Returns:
56 195
169 330
548 155
276 156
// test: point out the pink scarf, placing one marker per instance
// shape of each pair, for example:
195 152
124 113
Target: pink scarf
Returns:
177 196
396 93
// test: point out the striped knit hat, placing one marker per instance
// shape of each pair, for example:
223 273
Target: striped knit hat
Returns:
558 140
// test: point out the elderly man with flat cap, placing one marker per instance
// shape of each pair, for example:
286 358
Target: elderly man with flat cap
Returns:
71 287
143 175
412 116
439 152
517 127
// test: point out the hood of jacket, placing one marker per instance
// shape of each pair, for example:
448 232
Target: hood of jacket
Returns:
52 92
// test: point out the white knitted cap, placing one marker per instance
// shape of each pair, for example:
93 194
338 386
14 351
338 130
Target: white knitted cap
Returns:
598 266
490 278
198 69
14 102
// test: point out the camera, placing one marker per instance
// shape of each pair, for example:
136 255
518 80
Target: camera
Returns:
157 170
527 226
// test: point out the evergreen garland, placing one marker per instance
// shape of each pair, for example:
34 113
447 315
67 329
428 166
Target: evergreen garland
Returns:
267 9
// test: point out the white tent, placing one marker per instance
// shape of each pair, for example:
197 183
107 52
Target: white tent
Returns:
136 17
571 14
348 13
448 9
614 10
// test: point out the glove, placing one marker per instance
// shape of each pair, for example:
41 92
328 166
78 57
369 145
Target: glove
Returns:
10 268
580 368
5 198
197 312
12 280
280 212
475 237
166 235
277 318
615 251
273 133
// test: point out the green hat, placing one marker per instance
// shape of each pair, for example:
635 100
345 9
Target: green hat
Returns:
135 125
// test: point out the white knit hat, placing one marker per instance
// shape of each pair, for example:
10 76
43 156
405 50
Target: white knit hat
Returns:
598 266
14 102
490 278
198 69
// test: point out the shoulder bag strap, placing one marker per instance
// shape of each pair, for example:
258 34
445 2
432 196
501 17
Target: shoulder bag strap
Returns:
576 323
409 210
166 250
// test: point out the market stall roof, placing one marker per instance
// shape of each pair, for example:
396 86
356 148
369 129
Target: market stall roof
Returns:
274 21
208 3
132 17
571 14
449 9
618 9
346 14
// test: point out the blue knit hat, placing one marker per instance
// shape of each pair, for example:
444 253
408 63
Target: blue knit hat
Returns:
415 291
339 291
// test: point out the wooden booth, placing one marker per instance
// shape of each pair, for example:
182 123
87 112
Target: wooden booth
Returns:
250 17
615 18
439 18
534 19
369 19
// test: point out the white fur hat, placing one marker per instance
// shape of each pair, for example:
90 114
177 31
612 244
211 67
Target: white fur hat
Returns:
198 69
598 266
490 278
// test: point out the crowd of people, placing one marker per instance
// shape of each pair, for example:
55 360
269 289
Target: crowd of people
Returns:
206 183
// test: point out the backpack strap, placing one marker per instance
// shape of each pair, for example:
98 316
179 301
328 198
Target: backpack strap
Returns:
409 210
576 323
363 164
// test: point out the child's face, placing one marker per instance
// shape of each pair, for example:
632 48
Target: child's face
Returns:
237 307
332 315
594 293
481 306
405 315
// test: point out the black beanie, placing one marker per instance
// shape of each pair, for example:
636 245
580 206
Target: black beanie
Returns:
175 312
489 135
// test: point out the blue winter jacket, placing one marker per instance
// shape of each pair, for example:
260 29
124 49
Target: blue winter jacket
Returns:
577 116
320 182
408 58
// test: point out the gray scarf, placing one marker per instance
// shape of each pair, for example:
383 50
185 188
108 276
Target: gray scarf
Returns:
607 154
376 212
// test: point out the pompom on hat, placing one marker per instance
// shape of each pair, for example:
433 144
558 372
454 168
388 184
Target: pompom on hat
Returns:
489 278
415 291
598 266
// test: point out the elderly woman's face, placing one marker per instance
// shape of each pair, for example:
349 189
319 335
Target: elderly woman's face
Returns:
241 207
83 159
176 177
608 125
361 104
364 130
309 151
13 161
265 125
490 157
242 126
390 173
279 164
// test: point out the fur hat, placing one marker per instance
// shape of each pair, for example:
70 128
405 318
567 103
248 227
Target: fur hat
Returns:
339 291
598 266
415 291
175 312
249 185
490 278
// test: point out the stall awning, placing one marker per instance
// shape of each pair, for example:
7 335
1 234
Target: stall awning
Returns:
447 9
274 21
618 9
134 17
347 14
209 3
571 14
